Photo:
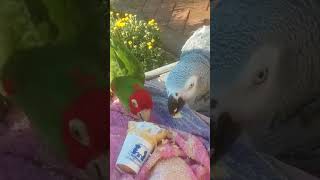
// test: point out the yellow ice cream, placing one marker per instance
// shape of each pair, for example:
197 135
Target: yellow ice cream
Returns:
147 130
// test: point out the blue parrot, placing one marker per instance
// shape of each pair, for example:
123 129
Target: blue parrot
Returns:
189 81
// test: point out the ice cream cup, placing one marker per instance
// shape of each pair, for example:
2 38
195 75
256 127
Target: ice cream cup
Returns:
138 145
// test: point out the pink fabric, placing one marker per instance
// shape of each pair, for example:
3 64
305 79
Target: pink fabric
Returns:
184 145
24 155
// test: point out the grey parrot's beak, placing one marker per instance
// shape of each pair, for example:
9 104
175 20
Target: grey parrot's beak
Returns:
174 105
145 114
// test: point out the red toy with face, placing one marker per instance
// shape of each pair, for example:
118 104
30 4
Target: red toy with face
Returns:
140 103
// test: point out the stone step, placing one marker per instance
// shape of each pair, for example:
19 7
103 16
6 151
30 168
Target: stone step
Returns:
165 11
151 7
177 19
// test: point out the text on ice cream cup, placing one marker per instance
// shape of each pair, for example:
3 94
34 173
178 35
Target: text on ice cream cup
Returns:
135 151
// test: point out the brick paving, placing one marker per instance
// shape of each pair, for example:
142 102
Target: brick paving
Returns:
177 18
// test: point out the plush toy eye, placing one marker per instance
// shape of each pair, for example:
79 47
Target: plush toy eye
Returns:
134 103
79 131
261 76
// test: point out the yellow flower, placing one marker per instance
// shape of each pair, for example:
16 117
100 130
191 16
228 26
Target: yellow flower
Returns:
115 28
120 24
111 12
151 22
135 46
125 19
130 15
150 47
129 42
126 14
149 44
152 40
118 14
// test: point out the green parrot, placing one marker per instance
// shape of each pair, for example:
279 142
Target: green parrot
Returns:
60 82
127 81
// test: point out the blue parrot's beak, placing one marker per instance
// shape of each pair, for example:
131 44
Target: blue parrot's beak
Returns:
175 105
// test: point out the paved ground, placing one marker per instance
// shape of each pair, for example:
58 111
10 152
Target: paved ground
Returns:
177 18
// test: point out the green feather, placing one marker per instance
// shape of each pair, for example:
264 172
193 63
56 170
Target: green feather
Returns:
45 85
41 72
125 71
124 88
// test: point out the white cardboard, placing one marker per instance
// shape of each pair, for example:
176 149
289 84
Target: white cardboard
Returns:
135 151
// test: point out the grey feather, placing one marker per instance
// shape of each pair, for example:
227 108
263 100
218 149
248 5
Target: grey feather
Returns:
242 29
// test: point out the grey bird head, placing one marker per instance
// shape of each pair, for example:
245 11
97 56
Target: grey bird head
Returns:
189 80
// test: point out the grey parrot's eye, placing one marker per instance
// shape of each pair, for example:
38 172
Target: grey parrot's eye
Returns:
191 85
261 76
78 131
134 103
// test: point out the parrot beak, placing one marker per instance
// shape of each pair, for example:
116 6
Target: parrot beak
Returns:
174 105
97 169
145 114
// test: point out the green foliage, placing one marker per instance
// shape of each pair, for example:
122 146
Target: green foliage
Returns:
123 62
140 37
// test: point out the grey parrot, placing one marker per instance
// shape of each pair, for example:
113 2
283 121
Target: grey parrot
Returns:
265 76
189 81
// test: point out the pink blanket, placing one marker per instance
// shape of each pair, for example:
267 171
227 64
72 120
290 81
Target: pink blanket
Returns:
183 148
24 156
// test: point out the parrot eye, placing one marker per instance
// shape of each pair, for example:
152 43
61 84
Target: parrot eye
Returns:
261 76
191 85
79 132
134 103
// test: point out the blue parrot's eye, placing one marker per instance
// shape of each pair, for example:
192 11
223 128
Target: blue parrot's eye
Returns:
261 76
